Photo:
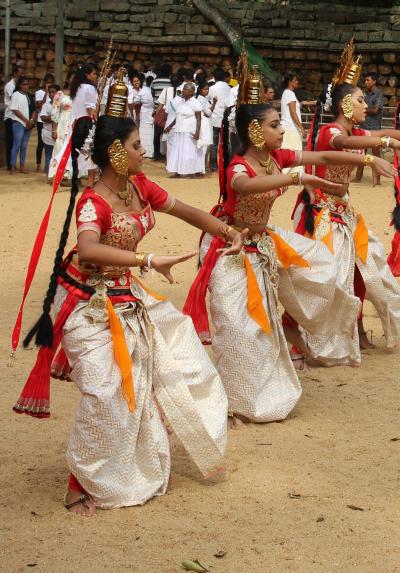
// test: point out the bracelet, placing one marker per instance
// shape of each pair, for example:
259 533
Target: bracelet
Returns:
149 259
295 178
225 231
368 159
385 141
140 260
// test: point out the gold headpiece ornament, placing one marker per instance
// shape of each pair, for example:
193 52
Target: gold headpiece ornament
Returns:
251 87
117 104
104 73
350 68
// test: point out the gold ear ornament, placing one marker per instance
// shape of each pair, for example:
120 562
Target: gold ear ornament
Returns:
348 106
118 157
256 134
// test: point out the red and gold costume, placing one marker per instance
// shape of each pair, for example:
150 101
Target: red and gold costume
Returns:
251 351
131 354
359 257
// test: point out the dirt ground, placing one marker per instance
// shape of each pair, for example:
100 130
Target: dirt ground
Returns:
316 493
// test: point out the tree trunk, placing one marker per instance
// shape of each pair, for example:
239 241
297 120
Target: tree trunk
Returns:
237 40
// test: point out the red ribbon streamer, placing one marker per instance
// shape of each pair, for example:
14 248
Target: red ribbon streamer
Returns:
38 245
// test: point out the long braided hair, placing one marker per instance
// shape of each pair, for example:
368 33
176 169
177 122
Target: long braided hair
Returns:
396 210
339 92
43 329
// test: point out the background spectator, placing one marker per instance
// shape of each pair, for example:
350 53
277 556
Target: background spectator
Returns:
161 83
374 99
23 115
221 91
41 97
184 157
9 89
47 131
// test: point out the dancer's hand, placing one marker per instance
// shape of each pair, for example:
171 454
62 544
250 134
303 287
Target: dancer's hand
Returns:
163 263
237 244
315 182
382 167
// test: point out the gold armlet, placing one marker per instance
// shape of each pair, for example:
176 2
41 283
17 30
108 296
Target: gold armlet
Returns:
140 260
225 230
295 178
369 159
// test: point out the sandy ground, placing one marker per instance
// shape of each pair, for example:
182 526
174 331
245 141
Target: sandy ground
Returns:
284 503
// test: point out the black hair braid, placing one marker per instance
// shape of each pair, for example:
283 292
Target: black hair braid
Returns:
317 121
309 220
226 156
396 210
43 329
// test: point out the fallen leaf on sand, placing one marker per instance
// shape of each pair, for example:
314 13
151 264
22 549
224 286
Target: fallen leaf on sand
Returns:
195 566
395 439
320 518
293 495
220 553
355 507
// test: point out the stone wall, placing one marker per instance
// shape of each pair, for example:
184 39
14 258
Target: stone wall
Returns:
303 36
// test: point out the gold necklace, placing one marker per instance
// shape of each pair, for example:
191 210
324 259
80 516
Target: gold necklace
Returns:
268 164
126 194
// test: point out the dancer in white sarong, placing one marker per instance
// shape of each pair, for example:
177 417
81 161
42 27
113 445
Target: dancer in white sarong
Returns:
136 360
248 339
359 256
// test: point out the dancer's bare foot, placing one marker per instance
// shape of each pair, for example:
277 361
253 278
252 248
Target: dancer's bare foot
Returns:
236 421
79 503
365 344
299 362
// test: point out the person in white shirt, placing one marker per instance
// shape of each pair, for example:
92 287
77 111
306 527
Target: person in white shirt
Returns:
184 156
206 134
84 100
164 101
23 117
291 115
41 97
9 89
221 91
144 107
47 131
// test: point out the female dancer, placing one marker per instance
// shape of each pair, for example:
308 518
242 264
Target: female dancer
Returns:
359 255
252 355
130 352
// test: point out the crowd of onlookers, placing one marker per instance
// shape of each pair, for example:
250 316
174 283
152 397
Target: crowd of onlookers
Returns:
179 114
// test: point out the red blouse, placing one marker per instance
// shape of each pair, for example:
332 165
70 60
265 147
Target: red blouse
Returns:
255 209
123 230
325 142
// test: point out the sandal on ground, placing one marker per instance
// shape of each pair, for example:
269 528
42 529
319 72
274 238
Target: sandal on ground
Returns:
83 499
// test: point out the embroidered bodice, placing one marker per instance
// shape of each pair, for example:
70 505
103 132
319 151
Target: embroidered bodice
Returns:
254 209
325 142
122 230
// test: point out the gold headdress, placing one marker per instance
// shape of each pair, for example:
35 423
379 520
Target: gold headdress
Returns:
104 73
251 87
350 68
348 72
117 103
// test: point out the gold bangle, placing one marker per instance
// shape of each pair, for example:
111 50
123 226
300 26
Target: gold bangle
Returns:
385 141
295 178
368 159
225 231
140 260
